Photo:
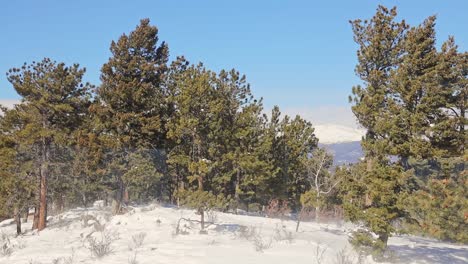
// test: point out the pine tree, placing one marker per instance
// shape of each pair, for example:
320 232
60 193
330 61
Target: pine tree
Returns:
16 180
132 97
374 198
295 142
412 105
53 99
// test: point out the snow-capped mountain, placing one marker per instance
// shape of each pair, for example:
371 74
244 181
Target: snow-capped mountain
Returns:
331 133
341 141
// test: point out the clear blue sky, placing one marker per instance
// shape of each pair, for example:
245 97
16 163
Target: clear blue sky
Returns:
297 54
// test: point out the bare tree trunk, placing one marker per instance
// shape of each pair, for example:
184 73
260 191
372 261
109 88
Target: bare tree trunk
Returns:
202 219
317 213
17 216
299 218
317 206
42 222
36 202
26 215
383 237
237 186
36 218
60 204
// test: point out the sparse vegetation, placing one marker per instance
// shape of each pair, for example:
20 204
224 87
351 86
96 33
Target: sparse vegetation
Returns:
133 259
137 240
283 234
6 247
344 257
319 253
102 245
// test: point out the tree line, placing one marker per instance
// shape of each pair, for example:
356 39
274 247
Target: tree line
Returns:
184 134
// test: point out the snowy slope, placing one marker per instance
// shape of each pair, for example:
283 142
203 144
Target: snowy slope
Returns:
223 244
331 133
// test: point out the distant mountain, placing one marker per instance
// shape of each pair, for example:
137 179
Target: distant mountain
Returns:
345 152
342 141
331 133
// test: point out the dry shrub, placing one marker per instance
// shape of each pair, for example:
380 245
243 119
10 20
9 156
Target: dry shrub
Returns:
101 246
277 208
137 240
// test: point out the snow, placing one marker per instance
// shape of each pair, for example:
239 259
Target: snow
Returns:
332 133
67 233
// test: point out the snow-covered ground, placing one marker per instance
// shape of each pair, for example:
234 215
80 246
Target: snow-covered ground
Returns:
228 240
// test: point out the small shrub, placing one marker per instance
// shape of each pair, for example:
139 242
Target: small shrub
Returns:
247 233
282 234
137 240
363 241
343 257
133 259
366 244
253 235
6 247
254 207
277 208
261 244
319 253
180 229
101 247
212 216
70 259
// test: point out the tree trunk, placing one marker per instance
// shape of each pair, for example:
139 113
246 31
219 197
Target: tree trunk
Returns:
43 199
317 206
60 204
317 213
299 216
237 187
36 202
202 219
42 222
36 218
17 216
383 237
84 199
118 198
26 215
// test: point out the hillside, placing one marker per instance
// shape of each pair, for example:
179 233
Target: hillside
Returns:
232 239
345 152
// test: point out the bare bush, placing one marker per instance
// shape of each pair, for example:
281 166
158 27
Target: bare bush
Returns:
260 243
282 234
254 235
344 257
247 233
62 260
133 259
319 253
212 216
277 209
137 240
70 259
101 246
6 247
